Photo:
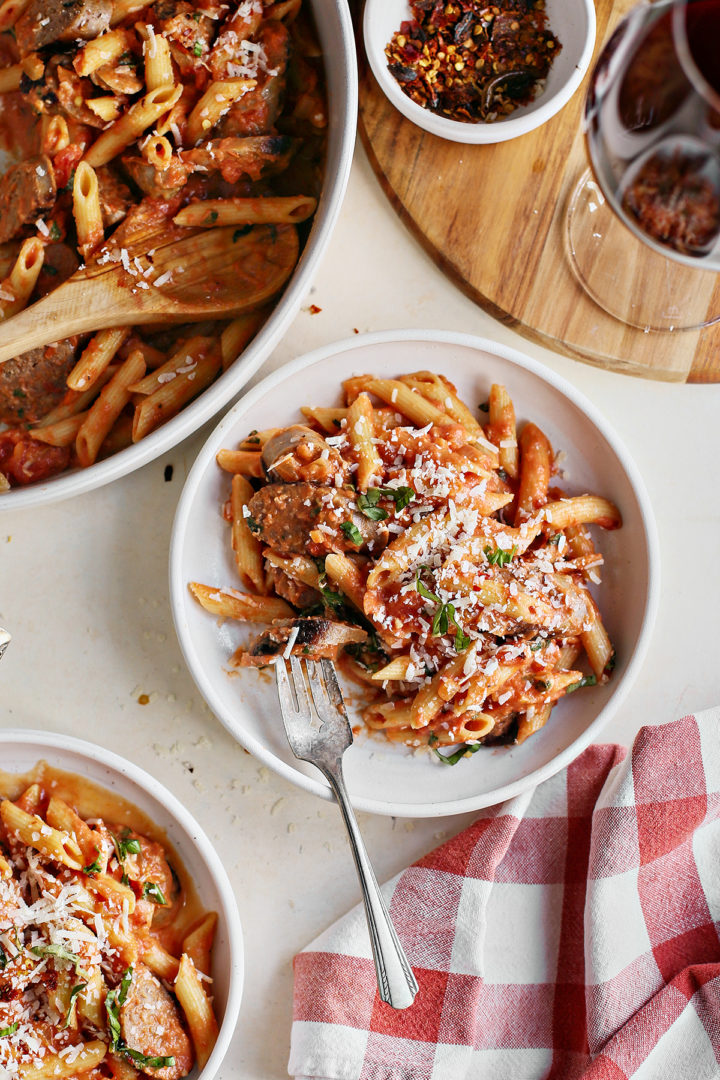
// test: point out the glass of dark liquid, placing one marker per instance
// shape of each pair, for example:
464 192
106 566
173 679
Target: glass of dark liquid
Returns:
644 229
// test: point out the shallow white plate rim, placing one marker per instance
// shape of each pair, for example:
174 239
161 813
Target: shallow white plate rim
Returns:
60 741
178 585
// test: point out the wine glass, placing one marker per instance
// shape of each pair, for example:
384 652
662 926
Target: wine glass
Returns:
643 230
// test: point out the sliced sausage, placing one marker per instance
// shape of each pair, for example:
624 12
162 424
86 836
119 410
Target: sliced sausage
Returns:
299 595
34 383
59 264
316 639
46 21
26 189
285 514
150 1023
299 453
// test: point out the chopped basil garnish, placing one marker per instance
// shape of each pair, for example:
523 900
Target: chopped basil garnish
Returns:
352 532
444 617
401 496
60 953
152 891
93 867
211 219
242 231
125 985
368 505
4 1032
610 666
499 557
587 680
197 48
3 959
77 989
555 539
458 755
253 525
113 1000
145 1061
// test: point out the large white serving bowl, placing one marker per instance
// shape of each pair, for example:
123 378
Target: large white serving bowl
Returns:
572 22
21 750
336 38
382 777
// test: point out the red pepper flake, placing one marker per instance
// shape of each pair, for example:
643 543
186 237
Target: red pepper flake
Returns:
470 61
143 699
314 309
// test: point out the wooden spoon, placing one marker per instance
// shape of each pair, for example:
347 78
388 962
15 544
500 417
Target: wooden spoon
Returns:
191 276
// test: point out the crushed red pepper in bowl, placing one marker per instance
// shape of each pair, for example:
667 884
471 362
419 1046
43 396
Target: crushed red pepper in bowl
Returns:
470 61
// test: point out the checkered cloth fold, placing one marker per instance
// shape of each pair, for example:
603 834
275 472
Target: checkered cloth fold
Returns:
571 933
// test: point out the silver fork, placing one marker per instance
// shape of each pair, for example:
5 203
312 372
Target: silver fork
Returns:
324 748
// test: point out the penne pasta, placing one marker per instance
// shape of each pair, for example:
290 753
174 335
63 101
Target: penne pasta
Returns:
361 433
36 833
247 462
214 103
197 945
55 135
101 50
10 12
156 56
97 357
15 290
501 429
198 1011
535 464
238 333
134 122
103 413
271 210
165 402
234 605
248 550
87 212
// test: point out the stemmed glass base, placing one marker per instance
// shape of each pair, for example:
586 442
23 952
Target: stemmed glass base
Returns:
627 278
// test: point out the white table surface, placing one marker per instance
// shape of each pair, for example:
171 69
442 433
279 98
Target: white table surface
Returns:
83 590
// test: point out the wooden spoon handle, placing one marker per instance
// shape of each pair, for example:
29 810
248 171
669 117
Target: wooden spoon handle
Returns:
73 308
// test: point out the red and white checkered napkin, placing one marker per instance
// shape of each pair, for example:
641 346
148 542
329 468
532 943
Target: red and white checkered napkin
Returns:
571 933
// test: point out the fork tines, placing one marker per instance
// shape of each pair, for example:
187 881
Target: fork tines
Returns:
296 709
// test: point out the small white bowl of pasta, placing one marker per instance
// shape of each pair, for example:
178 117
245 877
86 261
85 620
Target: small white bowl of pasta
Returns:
383 776
104 815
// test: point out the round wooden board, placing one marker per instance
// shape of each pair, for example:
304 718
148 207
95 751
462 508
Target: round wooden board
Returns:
494 219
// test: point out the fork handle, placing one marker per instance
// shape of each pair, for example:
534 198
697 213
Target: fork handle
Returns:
396 983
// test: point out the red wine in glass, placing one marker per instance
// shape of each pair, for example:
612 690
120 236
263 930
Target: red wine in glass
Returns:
653 127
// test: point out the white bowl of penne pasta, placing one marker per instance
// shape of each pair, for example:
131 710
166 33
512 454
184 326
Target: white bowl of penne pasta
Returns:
121 918
127 132
439 553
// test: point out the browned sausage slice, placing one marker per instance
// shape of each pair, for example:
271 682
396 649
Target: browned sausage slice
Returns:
284 515
150 1023
46 21
34 383
315 639
26 189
